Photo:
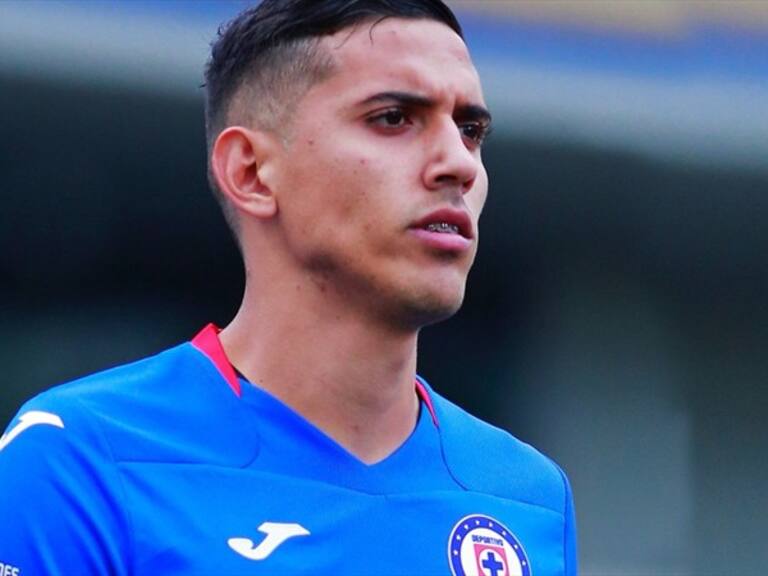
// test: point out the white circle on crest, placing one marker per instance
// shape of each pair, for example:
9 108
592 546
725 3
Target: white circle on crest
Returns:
481 546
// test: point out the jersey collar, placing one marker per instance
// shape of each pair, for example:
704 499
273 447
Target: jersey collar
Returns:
207 341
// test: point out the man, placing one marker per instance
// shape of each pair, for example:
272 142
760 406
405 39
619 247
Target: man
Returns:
345 147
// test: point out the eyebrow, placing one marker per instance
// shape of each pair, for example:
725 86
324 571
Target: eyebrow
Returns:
473 112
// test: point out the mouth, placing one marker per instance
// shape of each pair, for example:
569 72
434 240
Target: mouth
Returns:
443 228
446 230
447 221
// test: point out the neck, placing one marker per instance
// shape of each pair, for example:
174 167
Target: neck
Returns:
352 378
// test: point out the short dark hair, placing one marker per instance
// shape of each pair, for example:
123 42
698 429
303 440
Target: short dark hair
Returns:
271 49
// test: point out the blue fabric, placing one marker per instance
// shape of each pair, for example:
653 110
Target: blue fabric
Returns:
159 468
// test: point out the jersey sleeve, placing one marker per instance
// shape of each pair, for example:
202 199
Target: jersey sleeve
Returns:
59 494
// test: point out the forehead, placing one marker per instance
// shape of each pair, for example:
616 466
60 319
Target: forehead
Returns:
402 54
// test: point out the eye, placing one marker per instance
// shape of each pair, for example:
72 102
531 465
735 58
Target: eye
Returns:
475 132
390 118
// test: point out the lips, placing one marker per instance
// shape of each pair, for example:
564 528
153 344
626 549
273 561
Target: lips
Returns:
447 221
445 231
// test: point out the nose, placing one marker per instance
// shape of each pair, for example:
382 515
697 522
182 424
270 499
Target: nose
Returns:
450 162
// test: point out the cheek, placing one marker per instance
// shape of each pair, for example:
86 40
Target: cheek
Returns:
476 197
343 185
328 199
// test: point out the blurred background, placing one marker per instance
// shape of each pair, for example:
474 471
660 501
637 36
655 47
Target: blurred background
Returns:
616 316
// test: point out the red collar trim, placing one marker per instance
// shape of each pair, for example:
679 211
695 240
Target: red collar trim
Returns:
207 341
421 390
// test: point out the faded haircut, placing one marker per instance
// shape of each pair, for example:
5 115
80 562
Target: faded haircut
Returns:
266 58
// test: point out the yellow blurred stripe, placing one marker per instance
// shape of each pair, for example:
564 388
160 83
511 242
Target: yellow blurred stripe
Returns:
659 16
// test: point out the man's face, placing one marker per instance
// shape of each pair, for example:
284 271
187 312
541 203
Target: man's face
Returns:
381 183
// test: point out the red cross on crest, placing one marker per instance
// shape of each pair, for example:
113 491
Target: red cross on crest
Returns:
491 560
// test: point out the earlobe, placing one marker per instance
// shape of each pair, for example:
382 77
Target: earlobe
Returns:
239 161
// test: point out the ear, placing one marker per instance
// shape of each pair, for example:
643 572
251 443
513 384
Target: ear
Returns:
240 161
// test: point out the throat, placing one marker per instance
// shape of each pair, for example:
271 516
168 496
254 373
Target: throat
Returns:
346 376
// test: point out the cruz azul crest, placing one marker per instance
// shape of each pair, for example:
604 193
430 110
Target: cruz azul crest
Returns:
481 546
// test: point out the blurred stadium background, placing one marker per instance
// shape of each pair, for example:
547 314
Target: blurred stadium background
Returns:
616 316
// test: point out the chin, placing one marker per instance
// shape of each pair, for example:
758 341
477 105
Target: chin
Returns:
430 308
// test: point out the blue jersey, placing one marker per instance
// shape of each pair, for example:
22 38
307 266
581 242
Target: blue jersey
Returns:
174 465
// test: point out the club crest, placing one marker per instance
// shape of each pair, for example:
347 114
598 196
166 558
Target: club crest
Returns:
481 546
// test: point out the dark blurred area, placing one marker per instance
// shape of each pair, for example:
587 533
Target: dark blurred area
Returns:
616 316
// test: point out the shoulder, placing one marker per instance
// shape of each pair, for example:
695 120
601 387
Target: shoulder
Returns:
61 459
171 407
484 458
144 385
